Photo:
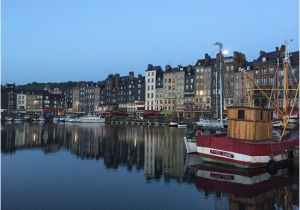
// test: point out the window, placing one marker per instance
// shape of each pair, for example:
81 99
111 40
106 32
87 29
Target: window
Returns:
257 80
261 115
256 70
241 114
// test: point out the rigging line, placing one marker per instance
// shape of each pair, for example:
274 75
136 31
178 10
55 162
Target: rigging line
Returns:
290 111
290 69
263 92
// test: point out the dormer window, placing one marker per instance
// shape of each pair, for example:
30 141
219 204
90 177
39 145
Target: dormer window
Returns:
264 59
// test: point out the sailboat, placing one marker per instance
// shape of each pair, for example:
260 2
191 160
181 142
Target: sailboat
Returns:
249 141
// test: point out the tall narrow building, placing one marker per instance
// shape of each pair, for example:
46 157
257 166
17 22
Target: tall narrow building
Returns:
153 80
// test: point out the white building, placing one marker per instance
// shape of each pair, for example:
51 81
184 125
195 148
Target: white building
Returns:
153 80
21 101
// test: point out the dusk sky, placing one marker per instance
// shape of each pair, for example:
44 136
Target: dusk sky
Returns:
63 40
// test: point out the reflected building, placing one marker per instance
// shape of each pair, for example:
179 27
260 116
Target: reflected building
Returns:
164 153
158 150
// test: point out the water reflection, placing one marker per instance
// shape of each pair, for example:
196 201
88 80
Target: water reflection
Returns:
158 150
159 153
246 189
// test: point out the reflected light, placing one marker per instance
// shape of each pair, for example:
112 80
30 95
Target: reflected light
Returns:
134 142
34 137
75 137
225 52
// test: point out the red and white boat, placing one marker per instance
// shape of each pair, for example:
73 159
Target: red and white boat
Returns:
249 142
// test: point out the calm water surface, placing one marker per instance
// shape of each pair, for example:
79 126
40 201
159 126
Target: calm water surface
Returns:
92 166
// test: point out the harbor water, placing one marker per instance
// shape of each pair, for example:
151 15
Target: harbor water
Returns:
102 166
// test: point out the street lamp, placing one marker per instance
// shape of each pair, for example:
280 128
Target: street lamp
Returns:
225 52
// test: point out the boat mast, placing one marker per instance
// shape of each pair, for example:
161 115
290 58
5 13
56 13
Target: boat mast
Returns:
220 90
285 86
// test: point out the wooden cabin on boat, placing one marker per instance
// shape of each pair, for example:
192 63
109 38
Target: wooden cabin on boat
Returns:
249 123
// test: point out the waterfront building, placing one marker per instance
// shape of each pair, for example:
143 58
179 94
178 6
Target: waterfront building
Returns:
75 102
140 95
159 98
8 97
169 87
21 101
179 92
34 101
232 65
68 100
89 98
110 93
153 80
243 88
203 85
127 93
189 92
268 71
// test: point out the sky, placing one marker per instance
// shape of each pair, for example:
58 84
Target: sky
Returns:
78 40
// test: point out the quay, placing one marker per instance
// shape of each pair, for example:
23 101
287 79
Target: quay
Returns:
137 122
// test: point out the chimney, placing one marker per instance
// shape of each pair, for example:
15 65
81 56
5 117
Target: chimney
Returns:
282 51
261 53
207 59
131 75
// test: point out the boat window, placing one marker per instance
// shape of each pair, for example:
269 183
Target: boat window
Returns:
241 114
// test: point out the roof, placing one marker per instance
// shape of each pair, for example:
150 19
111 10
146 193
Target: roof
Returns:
154 68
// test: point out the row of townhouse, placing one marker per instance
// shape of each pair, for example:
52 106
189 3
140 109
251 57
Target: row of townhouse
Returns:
191 91
188 91
32 101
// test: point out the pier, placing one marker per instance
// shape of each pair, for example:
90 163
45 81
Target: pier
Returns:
137 122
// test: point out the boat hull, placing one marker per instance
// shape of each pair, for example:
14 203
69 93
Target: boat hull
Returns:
91 120
173 124
243 154
190 146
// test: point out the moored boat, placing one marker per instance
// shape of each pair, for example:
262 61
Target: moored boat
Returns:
182 125
249 142
90 119
173 124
